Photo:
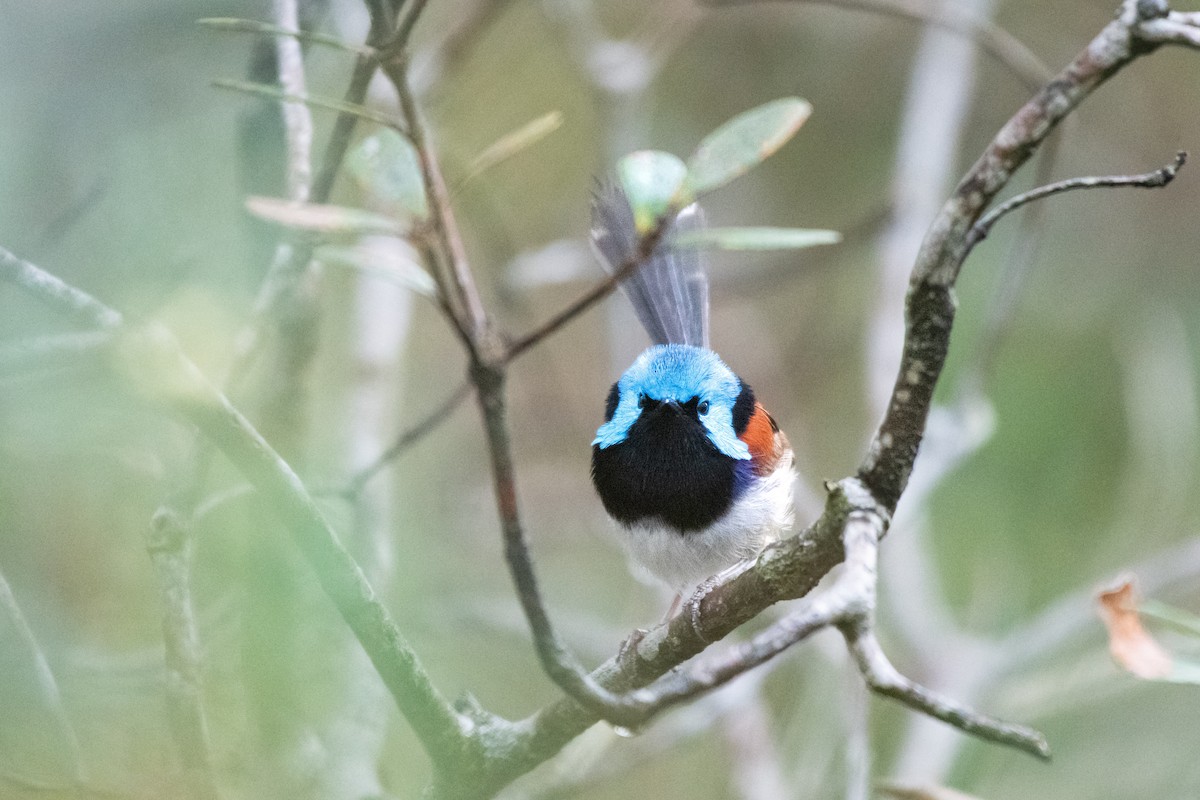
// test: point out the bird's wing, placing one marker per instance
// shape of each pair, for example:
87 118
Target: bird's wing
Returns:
767 444
669 292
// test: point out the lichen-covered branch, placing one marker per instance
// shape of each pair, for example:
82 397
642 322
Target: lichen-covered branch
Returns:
1154 179
930 306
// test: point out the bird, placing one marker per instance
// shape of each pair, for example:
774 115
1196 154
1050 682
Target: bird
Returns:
694 470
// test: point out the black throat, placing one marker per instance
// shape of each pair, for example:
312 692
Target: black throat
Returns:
666 471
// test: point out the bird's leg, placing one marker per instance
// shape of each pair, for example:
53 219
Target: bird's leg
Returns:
671 611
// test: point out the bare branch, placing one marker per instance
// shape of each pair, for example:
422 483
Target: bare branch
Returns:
297 121
884 679
930 306
409 437
152 358
465 304
405 28
169 545
236 25
26 666
1148 180
41 351
601 290
45 287
991 38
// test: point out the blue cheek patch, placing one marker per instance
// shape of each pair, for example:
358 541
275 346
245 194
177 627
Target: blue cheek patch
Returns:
616 429
678 372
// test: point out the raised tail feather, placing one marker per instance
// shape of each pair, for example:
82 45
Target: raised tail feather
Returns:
669 292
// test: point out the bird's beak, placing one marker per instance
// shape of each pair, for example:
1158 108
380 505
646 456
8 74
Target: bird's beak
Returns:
673 405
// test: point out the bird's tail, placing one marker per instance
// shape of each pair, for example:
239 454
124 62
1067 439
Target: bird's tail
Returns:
670 291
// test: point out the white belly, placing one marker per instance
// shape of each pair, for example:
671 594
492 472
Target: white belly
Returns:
681 560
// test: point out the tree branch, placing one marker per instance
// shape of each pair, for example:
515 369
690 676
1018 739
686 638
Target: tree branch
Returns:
930 305
991 38
1148 180
64 298
152 360
409 437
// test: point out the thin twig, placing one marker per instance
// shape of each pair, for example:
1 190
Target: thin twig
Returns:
602 289
56 293
405 28
161 370
991 38
409 437
237 25
46 351
467 306
332 104
1147 180
39 678
343 130
297 121
884 679
170 547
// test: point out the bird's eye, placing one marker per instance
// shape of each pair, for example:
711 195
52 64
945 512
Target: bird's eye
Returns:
641 401
703 407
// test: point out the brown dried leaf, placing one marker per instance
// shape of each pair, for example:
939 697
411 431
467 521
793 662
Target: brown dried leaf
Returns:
1131 646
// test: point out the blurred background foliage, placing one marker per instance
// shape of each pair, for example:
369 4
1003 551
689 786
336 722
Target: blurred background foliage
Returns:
124 171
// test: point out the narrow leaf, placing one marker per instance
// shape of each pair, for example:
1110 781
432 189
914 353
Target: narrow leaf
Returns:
654 183
320 218
387 262
317 101
756 238
744 141
514 142
236 25
1175 617
386 166
37 741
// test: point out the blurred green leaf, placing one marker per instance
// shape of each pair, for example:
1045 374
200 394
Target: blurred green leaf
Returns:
743 142
387 167
317 101
321 218
751 238
1183 671
654 183
237 25
514 142
1175 617
37 740
387 263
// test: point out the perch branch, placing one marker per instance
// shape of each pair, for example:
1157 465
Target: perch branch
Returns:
1148 180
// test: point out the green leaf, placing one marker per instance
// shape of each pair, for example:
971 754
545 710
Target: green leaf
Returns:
387 167
1175 617
744 141
654 183
321 218
382 262
237 25
756 238
512 143
318 101
1183 671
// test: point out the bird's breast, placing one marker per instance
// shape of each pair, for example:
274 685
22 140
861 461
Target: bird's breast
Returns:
668 470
